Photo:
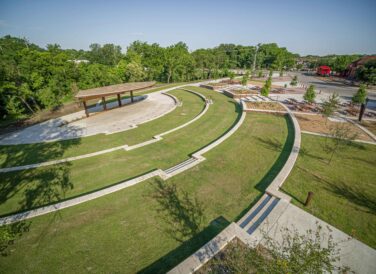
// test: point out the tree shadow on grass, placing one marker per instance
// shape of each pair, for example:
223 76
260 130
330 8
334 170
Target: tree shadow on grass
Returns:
21 191
23 154
182 214
358 197
353 195
187 248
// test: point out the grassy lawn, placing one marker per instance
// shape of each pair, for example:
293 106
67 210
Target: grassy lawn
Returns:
344 190
35 187
129 225
14 155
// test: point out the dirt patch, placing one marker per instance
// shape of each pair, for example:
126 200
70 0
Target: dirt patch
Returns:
265 106
320 124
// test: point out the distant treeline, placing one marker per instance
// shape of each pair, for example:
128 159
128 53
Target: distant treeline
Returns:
34 78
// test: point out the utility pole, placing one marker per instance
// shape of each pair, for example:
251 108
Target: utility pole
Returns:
254 57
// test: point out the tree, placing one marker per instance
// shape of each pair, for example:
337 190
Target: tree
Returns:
231 75
294 81
360 96
330 106
310 94
134 72
367 73
295 253
245 79
176 58
341 135
266 88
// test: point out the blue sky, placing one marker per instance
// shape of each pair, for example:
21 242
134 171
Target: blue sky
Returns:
304 27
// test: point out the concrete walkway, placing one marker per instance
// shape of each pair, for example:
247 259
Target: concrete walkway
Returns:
76 126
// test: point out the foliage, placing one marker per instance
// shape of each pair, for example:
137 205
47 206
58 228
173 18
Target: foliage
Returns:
310 94
367 73
260 74
360 96
295 253
245 79
331 105
337 63
34 78
266 88
231 75
294 81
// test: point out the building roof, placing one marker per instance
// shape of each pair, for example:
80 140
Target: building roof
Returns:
112 90
362 60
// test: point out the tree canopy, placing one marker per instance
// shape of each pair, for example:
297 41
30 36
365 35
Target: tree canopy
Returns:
33 78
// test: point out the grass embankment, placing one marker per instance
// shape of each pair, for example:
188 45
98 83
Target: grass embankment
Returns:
15 155
344 190
124 232
31 188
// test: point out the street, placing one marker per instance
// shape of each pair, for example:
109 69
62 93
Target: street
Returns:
344 91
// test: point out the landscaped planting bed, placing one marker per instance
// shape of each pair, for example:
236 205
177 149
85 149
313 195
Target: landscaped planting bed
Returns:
344 189
265 106
321 124
130 225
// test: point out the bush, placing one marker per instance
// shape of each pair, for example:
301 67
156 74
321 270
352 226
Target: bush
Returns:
310 94
360 96
266 88
294 81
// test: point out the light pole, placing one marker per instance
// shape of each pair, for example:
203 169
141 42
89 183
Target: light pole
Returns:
254 57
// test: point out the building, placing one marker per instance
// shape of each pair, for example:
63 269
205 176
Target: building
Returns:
350 71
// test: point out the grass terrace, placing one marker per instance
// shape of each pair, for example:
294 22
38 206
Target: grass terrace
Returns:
14 155
36 187
344 190
134 226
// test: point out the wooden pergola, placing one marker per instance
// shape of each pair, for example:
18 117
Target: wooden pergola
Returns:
102 92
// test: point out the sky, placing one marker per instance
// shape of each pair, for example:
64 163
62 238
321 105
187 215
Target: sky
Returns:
305 27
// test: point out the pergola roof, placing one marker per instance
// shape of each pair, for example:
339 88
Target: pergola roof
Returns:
112 90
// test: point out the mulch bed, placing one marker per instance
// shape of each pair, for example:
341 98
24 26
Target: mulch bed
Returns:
265 106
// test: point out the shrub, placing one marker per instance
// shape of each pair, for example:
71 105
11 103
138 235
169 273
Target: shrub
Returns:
310 94
360 96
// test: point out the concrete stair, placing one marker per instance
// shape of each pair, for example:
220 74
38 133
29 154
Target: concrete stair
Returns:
258 213
181 167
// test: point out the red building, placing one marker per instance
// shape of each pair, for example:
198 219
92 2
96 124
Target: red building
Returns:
323 70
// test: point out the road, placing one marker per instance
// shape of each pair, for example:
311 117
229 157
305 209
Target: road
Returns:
344 91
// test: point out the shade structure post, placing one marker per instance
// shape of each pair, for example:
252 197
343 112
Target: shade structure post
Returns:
85 107
132 96
119 100
104 103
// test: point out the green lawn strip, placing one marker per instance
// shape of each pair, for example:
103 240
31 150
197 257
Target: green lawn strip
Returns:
124 232
344 190
15 155
35 187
